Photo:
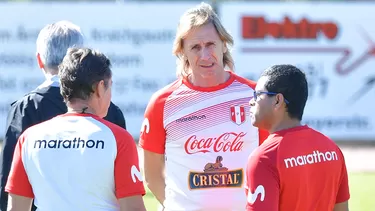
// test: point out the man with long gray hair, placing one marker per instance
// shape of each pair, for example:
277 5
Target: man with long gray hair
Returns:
196 135
45 101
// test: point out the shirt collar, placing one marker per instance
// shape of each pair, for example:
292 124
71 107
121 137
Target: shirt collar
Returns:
53 81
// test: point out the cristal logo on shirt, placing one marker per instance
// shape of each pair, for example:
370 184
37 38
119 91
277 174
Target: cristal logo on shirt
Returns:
227 142
215 175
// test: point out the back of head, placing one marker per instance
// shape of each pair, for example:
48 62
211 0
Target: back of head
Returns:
291 82
80 71
193 18
54 40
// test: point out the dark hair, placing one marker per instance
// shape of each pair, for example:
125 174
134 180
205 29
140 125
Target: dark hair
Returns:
291 82
80 70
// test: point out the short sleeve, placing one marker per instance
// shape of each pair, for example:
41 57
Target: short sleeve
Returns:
18 182
152 136
263 187
128 178
343 191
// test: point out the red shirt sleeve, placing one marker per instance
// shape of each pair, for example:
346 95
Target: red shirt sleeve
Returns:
18 181
263 187
128 178
153 135
343 192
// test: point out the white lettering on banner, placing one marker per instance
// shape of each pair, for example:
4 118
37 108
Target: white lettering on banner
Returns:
336 55
137 37
335 123
313 158
318 83
136 174
4 108
252 197
23 84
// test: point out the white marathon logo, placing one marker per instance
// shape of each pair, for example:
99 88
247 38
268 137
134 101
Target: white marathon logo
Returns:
314 157
136 174
252 197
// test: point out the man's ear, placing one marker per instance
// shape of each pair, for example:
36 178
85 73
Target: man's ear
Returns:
100 88
279 98
39 60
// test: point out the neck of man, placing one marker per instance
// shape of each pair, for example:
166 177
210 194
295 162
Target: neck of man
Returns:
80 106
215 80
50 71
285 123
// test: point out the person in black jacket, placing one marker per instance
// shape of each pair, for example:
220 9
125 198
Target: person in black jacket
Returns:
45 101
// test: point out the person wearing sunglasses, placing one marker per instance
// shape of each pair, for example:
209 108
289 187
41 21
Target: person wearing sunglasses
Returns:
297 167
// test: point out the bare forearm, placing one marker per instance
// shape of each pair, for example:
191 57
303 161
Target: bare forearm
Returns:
157 187
19 203
341 206
134 203
154 164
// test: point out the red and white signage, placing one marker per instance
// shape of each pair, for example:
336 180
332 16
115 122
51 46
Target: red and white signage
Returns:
334 46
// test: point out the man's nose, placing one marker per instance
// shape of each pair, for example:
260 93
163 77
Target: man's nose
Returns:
205 54
252 102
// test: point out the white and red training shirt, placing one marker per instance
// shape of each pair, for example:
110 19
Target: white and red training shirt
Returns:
75 162
207 136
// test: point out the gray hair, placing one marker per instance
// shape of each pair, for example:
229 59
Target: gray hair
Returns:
54 40
193 18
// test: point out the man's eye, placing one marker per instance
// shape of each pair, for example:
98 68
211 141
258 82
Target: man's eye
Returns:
210 44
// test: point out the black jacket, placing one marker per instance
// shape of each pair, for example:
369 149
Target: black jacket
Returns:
36 107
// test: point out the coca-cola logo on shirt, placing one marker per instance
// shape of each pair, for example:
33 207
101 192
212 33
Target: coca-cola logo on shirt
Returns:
227 142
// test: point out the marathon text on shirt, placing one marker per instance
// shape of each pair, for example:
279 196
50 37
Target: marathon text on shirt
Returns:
75 143
190 118
314 157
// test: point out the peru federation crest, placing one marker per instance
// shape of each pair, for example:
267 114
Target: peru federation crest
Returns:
237 114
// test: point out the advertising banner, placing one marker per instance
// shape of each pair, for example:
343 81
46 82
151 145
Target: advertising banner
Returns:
333 43
137 37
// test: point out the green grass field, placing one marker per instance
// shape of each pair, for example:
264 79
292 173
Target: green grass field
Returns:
362 190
